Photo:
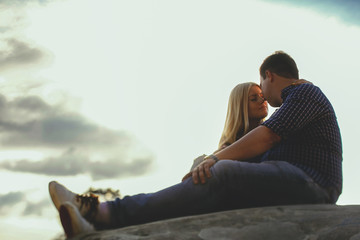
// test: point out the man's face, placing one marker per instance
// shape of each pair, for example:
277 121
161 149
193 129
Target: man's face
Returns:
264 86
267 89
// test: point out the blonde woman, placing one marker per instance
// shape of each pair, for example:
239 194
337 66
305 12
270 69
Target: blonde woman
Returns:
246 110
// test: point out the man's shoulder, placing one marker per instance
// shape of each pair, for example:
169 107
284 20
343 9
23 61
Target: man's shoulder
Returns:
308 94
306 87
306 90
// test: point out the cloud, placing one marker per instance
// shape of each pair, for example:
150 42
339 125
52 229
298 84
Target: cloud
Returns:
18 53
3 29
72 163
345 10
10 199
117 169
28 121
36 208
66 164
16 50
13 13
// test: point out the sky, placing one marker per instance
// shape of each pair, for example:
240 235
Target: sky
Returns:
125 94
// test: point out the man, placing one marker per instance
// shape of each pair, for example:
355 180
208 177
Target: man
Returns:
301 164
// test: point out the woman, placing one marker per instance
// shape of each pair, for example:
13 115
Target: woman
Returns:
246 110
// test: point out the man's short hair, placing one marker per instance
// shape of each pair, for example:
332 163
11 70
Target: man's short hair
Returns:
280 63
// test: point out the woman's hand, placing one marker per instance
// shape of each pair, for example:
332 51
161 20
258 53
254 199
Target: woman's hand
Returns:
201 172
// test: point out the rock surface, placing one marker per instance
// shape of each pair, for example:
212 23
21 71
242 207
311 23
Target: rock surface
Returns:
300 222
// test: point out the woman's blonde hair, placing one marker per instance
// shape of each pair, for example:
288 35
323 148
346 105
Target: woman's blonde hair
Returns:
237 117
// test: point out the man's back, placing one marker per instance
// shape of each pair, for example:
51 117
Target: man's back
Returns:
310 134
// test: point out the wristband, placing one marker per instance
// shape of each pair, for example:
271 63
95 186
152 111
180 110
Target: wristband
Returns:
212 156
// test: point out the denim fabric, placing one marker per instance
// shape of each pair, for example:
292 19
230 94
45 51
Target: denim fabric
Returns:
233 185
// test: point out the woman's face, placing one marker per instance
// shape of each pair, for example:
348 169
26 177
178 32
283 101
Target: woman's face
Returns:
257 107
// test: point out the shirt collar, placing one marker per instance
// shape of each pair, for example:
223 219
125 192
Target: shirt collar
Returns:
286 91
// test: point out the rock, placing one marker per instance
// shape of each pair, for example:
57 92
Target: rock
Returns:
298 222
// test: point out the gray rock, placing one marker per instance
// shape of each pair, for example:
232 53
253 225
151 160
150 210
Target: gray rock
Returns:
300 222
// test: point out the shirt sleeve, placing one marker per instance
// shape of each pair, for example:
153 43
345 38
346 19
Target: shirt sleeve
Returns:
302 106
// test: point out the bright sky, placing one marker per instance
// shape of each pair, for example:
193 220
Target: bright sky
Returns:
125 94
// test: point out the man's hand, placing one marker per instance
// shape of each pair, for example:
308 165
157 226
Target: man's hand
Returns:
201 172
301 81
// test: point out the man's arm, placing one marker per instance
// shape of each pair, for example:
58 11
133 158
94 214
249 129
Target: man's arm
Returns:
256 142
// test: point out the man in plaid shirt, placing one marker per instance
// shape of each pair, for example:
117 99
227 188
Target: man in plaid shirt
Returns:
301 136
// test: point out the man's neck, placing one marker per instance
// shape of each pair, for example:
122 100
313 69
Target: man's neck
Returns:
281 83
285 82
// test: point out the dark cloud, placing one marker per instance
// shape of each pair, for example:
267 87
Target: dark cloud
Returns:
117 169
11 199
7 201
36 208
4 29
31 122
345 10
20 54
67 164
72 163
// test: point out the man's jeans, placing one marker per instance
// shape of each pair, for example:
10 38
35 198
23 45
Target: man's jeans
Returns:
233 185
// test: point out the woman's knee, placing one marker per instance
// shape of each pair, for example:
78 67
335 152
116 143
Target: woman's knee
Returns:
226 168
224 164
237 171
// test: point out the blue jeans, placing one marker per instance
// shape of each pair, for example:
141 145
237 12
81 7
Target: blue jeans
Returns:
233 185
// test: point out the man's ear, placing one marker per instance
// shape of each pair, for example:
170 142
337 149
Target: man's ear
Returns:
269 75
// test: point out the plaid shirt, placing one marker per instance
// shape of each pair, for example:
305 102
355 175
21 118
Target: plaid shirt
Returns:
310 134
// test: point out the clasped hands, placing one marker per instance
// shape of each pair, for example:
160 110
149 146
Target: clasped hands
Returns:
201 172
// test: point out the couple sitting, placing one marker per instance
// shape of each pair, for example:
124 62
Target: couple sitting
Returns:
294 157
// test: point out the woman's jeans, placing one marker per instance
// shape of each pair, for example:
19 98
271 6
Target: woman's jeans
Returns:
233 185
